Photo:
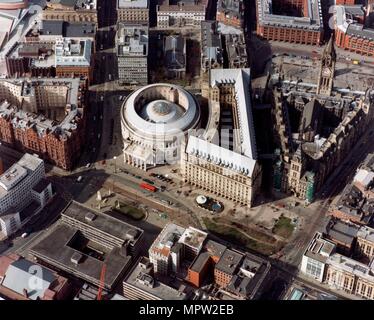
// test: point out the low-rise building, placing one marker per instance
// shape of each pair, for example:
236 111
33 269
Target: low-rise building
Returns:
74 58
211 46
354 206
132 54
314 260
321 262
227 267
74 10
181 14
365 243
350 32
133 11
47 31
236 51
303 24
21 279
83 241
342 234
31 59
231 12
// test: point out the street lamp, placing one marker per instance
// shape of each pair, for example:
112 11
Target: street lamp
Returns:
115 164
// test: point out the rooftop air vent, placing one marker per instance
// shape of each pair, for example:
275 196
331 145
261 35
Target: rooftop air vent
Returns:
90 216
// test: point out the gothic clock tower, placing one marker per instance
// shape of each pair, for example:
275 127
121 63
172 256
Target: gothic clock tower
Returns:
327 70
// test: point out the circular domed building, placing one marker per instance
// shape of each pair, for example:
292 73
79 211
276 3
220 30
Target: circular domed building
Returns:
154 120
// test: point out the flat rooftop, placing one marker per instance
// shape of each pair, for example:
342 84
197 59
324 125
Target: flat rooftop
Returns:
103 222
200 261
320 249
313 20
138 278
214 248
18 172
229 262
128 4
54 249
193 238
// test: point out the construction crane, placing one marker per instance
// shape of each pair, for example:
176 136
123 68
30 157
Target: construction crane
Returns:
102 279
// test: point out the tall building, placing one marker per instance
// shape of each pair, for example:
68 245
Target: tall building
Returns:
223 160
161 251
327 69
132 54
23 192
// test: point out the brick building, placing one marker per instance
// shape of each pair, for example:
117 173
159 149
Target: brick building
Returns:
350 32
231 12
295 21
18 277
43 116
72 11
74 58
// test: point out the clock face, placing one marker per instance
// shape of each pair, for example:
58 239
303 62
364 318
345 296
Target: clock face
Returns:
326 72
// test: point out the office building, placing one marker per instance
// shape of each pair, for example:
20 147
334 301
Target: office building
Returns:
43 116
141 284
223 160
83 241
292 21
133 11
177 14
231 12
132 54
24 191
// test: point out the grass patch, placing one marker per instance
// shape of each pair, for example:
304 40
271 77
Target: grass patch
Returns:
231 234
256 234
130 211
283 227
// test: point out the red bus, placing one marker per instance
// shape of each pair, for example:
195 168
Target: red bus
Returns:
148 187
